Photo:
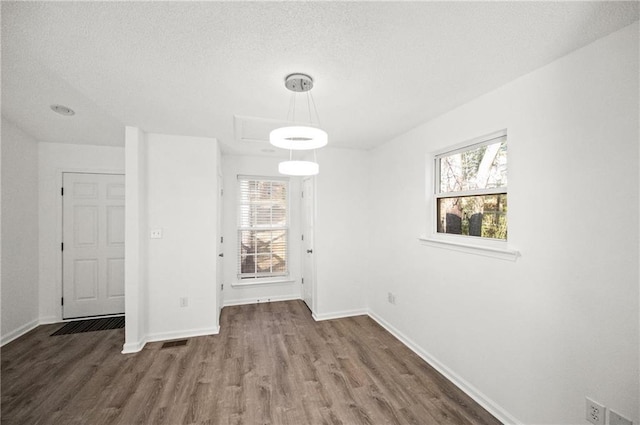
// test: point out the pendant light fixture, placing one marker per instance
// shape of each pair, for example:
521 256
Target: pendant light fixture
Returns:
299 137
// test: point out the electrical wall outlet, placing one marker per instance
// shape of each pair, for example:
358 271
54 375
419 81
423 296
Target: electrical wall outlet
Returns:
595 412
616 418
391 297
156 234
184 302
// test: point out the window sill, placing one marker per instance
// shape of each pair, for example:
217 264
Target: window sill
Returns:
259 282
486 251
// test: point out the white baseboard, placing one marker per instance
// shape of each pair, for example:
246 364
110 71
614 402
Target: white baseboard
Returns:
245 301
165 336
339 314
133 347
484 401
17 333
48 320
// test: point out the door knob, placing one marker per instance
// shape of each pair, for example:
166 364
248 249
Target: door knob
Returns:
309 251
221 255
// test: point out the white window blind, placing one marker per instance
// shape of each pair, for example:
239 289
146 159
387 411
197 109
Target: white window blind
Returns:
263 227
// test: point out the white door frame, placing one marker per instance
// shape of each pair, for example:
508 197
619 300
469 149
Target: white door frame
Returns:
305 257
57 247
220 247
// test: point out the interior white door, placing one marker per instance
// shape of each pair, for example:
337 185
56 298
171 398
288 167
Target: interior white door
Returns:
220 260
93 244
308 256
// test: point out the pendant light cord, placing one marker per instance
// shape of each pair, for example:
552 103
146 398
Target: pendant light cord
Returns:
309 107
291 113
314 108
293 118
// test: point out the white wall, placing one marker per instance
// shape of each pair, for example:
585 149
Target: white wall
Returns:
19 163
535 336
1 339
342 232
136 243
54 159
243 294
181 200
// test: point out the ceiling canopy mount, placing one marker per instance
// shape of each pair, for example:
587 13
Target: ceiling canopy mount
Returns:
298 82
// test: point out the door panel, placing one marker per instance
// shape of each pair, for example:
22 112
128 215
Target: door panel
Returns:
93 237
115 191
85 222
115 225
84 190
85 279
115 277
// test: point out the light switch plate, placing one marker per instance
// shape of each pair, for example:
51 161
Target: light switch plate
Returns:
156 234
616 418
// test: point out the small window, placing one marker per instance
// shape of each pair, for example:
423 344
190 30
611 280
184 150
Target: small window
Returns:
263 227
471 189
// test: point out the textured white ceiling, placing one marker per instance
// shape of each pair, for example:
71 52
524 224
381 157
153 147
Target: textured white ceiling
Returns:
189 67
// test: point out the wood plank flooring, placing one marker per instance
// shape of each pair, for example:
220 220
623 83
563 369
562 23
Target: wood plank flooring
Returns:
270 364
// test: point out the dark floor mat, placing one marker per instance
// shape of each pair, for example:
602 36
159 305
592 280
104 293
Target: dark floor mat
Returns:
91 325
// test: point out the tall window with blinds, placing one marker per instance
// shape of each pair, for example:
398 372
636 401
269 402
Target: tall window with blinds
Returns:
471 189
263 227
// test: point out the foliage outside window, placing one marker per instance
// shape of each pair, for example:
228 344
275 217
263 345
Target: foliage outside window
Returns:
471 189
263 227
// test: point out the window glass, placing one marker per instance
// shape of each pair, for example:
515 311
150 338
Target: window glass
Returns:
480 167
484 216
471 189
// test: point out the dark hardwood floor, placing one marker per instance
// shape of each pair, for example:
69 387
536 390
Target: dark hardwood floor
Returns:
270 364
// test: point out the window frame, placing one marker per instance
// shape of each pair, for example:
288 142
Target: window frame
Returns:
245 279
469 145
491 247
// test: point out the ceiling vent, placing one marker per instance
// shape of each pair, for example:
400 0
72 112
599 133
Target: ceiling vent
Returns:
255 129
